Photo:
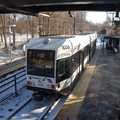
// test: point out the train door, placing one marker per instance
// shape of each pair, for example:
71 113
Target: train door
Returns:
89 52
81 61
86 55
79 64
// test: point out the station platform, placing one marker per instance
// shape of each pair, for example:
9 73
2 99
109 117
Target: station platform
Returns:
96 96
11 66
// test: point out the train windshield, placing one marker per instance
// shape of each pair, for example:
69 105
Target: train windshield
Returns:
40 63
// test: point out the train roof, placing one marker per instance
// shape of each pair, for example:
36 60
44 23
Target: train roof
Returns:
55 41
58 36
48 42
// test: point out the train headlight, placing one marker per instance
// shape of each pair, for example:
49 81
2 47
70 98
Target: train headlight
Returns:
28 83
52 86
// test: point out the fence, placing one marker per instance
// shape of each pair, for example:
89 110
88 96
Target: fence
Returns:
12 83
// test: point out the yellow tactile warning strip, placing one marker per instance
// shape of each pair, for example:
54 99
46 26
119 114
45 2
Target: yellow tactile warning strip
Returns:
72 106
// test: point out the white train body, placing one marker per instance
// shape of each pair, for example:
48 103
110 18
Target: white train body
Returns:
53 62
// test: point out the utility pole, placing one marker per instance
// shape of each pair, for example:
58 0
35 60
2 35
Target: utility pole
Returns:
74 21
13 37
12 31
12 44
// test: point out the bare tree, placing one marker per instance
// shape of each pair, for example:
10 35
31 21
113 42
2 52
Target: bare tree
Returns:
14 23
3 24
31 25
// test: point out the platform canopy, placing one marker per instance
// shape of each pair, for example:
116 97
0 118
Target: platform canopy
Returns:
33 7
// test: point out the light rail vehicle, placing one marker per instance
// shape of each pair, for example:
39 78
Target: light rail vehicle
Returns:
54 62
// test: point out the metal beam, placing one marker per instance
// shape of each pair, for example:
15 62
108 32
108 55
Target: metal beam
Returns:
28 3
86 7
33 7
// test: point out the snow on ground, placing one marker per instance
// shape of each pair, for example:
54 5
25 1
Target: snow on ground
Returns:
5 57
12 55
8 108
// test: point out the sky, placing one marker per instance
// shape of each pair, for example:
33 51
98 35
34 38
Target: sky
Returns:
96 17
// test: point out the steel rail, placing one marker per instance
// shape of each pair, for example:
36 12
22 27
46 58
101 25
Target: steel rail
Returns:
7 84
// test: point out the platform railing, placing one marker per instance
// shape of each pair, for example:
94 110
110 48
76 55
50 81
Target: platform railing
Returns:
12 83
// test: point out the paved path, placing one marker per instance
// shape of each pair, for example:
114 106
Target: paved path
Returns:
102 101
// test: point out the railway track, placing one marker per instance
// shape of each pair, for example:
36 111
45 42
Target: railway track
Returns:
39 110
10 107
22 106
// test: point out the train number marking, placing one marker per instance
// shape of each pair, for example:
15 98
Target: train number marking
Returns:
64 47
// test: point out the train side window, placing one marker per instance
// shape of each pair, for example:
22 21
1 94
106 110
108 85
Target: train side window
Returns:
61 67
75 62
